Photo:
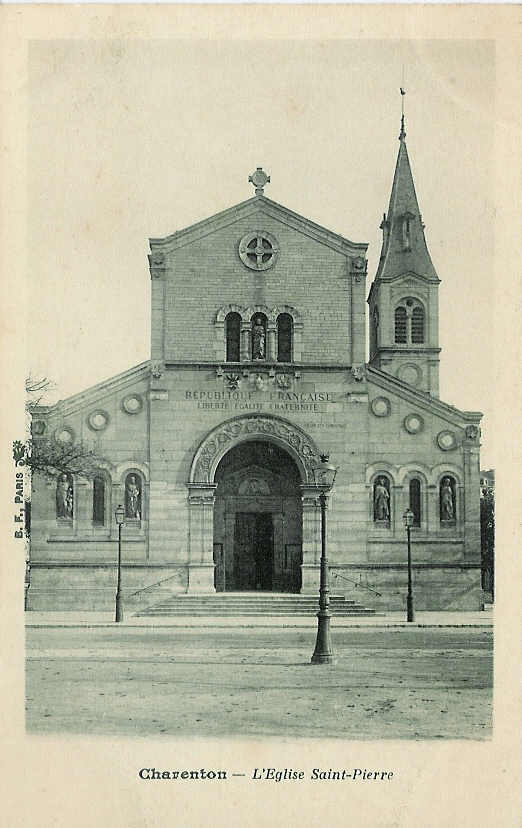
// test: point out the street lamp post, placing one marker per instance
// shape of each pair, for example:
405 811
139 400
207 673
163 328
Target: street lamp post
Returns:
408 517
120 516
324 477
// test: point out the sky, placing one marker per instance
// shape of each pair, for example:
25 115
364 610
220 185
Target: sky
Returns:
135 139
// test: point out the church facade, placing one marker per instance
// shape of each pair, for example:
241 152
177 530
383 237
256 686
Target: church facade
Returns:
258 366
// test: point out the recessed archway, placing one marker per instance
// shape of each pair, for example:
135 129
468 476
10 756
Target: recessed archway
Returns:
207 559
257 520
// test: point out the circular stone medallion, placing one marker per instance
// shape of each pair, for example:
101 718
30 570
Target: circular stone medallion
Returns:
64 435
132 404
98 420
413 423
258 250
446 440
381 406
410 373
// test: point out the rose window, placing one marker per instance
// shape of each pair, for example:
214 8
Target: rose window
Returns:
258 250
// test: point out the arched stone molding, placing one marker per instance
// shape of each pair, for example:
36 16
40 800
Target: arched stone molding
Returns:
405 473
201 485
246 315
374 469
373 472
86 522
223 312
283 433
251 311
123 469
438 472
400 297
274 313
118 492
297 330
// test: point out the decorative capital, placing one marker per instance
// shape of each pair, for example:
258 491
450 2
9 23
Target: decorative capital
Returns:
156 369
156 264
358 267
472 432
259 179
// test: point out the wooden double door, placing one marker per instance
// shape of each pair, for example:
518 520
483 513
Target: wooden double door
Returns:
253 562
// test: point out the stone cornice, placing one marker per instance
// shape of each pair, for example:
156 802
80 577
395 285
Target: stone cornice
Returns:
418 398
78 401
254 205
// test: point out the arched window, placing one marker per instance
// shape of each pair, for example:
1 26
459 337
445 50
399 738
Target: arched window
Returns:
259 336
415 500
381 501
232 333
284 337
400 325
409 323
447 500
133 496
417 325
98 499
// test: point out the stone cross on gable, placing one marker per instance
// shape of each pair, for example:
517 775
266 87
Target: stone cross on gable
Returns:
259 178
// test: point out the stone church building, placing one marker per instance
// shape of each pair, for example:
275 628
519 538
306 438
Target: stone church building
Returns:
258 365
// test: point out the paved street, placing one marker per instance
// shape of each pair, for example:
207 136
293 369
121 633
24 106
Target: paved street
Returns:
430 683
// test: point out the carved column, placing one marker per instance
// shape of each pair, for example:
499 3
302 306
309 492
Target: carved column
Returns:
272 343
245 342
469 517
298 342
201 537
432 507
158 268
311 538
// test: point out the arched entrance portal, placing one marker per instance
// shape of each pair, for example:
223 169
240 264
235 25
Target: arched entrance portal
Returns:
257 520
280 458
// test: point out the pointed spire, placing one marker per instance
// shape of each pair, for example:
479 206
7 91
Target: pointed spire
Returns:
402 134
404 245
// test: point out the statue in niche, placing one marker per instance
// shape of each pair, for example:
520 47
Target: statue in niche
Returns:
447 500
132 498
258 339
64 497
381 499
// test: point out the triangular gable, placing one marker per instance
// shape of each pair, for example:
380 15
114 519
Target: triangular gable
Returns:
254 205
422 400
95 393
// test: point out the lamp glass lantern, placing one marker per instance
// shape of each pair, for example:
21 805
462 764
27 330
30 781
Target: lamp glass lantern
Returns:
324 474
408 518
119 515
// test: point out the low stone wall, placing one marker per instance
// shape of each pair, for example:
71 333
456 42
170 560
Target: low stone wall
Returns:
435 587
79 586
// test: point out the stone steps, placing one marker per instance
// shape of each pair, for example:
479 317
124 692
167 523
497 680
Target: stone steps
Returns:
232 604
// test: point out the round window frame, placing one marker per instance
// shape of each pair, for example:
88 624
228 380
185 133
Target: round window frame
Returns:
125 401
407 426
243 254
440 437
93 414
387 403
59 431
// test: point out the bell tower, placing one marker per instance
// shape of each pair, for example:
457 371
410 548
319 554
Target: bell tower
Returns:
403 299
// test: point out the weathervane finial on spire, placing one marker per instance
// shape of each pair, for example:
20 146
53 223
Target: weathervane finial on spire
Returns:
402 134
